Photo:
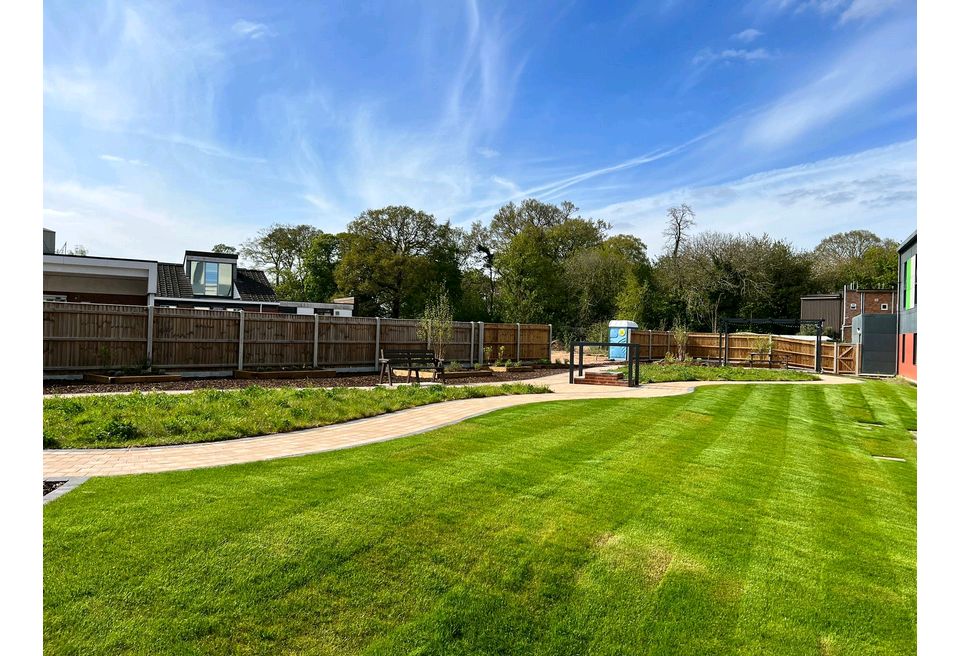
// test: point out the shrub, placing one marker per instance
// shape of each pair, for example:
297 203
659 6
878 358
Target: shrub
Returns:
118 430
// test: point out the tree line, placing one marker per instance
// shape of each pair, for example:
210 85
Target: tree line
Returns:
537 262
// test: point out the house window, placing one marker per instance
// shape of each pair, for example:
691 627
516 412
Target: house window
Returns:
910 283
903 347
853 306
211 278
884 306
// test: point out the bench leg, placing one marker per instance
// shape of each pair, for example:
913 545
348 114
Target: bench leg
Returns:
382 370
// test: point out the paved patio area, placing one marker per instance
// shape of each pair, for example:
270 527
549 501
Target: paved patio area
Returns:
67 463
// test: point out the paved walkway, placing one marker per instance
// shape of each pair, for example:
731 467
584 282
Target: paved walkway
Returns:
66 463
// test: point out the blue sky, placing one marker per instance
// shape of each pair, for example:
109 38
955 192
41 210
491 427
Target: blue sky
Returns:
173 126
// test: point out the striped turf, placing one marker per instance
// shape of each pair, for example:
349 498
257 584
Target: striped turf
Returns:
745 519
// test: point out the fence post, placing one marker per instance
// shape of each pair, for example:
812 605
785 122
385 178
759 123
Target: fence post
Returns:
550 344
480 339
316 340
836 358
518 342
376 346
472 326
240 342
650 345
149 336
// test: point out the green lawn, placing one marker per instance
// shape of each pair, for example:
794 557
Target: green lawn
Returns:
123 420
667 373
740 519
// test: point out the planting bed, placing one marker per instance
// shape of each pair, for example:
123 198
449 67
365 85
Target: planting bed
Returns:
342 380
106 379
400 375
284 374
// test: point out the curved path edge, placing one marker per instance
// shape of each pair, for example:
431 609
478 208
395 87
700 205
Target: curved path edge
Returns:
71 463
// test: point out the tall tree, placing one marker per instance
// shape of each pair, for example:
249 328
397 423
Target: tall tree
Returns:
223 248
281 250
856 256
679 221
394 257
319 267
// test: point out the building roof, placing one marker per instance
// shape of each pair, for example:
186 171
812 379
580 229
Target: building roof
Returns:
908 242
172 281
228 256
254 286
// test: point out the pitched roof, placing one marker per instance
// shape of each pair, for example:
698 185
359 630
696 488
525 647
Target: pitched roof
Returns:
254 286
172 281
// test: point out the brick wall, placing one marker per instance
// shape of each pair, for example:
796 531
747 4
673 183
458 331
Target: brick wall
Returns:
868 301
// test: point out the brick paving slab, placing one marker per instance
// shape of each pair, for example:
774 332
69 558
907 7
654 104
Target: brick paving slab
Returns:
67 463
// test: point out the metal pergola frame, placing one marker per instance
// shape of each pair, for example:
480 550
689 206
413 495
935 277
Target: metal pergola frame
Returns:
726 322
633 359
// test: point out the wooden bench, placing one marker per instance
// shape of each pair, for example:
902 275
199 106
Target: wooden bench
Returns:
412 360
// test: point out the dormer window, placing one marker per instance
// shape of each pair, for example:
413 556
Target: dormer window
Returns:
211 274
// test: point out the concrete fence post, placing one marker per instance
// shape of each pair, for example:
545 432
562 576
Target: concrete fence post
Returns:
316 340
472 353
550 344
149 336
518 342
376 346
480 339
240 342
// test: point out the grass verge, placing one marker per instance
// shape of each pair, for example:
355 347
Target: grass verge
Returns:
668 373
153 419
740 519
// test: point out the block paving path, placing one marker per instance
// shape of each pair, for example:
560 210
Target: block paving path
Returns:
68 463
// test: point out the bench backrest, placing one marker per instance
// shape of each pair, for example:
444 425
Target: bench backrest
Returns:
410 357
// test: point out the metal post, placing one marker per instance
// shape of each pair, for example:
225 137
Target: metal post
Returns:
376 347
149 336
571 360
581 359
518 342
726 344
240 343
818 366
629 365
316 340
472 326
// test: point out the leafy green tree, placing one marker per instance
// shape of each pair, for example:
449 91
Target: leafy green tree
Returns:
319 267
223 248
856 256
393 257
281 249
436 323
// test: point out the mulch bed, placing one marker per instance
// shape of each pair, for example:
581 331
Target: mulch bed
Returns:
50 486
363 380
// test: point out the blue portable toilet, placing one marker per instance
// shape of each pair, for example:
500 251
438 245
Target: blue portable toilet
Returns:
620 334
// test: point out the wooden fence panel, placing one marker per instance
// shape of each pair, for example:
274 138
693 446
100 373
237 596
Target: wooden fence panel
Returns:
534 341
349 341
83 336
79 336
277 340
195 339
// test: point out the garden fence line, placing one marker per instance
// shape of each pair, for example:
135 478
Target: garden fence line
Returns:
836 357
81 337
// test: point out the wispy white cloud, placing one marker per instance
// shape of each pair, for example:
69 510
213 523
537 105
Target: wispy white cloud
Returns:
489 153
874 189
252 30
849 10
115 159
877 64
708 55
113 221
747 36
